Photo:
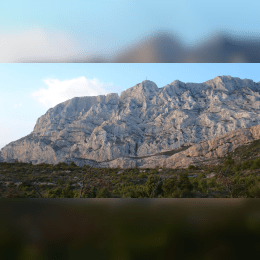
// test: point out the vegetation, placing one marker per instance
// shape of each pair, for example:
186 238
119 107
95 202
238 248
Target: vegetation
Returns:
237 176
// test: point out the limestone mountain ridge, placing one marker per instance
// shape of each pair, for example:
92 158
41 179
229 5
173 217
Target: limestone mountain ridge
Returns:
146 126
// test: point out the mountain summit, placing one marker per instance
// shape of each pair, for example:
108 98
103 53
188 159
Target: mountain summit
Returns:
143 122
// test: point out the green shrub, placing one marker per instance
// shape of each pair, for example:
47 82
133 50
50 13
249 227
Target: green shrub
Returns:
126 190
212 183
30 194
187 193
123 177
168 187
185 182
142 175
202 186
68 192
104 193
54 193
192 167
153 171
177 193
72 164
246 165
129 190
229 161
151 184
60 182
254 191
236 168
92 193
255 164
201 175
62 165
61 193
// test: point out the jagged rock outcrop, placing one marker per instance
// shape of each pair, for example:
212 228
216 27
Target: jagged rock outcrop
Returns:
138 128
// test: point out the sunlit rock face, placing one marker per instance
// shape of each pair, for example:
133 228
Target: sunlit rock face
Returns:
128 131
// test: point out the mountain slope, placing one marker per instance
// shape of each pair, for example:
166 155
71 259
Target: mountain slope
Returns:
144 121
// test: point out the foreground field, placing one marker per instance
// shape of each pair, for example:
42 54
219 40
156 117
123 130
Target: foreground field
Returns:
238 176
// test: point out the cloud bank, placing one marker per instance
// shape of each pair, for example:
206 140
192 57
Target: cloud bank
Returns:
38 45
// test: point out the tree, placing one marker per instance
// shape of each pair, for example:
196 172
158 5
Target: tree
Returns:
68 192
54 193
228 183
168 187
185 182
254 191
229 161
159 184
151 185
92 193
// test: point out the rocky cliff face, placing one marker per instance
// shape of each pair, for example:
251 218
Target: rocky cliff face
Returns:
111 131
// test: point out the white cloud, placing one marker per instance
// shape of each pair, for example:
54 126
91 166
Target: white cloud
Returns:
18 105
39 45
60 91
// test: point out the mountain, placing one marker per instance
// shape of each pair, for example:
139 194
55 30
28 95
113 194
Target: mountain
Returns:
176 125
167 48
159 48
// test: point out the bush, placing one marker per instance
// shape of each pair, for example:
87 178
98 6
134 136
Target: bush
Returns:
176 193
201 176
31 194
104 193
255 164
202 186
142 175
212 183
192 167
236 168
61 193
126 190
229 161
254 191
92 193
72 164
123 177
246 165
151 184
129 190
68 192
54 193
168 187
62 165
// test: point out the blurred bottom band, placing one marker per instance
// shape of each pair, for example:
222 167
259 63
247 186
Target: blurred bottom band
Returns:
129 228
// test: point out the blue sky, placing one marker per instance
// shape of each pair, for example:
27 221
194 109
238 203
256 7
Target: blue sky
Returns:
28 90
80 27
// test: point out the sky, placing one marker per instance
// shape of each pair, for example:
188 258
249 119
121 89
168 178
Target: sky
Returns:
28 90
77 28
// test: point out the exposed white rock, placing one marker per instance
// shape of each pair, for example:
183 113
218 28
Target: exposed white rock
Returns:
133 129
